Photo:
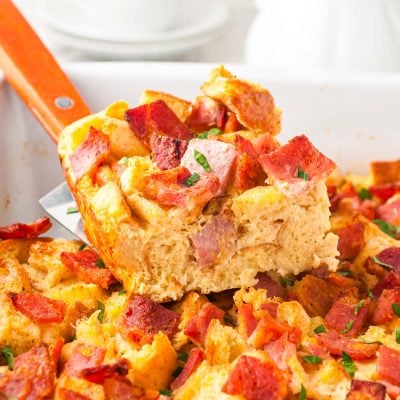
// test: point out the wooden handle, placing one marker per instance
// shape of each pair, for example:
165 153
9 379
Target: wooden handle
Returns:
35 75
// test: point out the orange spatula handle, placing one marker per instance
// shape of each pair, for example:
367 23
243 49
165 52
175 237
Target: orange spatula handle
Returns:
35 75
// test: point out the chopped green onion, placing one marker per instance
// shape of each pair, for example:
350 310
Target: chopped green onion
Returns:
398 336
312 359
100 263
376 260
345 273
285 282
348 326
371 295
211 132
101 307
192 179
229 321
389 229
302 174
202 160
347 363
8 355
359 305
82 247
123 160
183 357
72 210
177 371
364 194
122 292
165 392
319 329
303 393
396 308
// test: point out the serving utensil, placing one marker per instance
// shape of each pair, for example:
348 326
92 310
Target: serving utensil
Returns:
35 75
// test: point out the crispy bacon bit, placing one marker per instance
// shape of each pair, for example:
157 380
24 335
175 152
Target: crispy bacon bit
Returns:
39 308
206 113
248 172
168 189
366 390
256 379
388 365
281 350
214 240
389 212
337 343
351 240
167 151
120 388
232 124
33 376
67 394
246 320
157 118
389 281
196 356
264 144
90 154
25 231
143 318
283 164
55 349
105 371
385 191
83 265
196 328
383 312
84 356
273 288
348 314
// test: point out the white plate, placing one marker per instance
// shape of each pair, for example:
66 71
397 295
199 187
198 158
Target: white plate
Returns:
352 119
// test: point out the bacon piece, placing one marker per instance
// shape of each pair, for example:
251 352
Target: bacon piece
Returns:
281 350
83 265
39 308
167 151
33 376
343 313
219 155
67 394
391 256
246 320
316 349
273 288
283 164
351 240
156 117
385 191
102 372
206 113
388 365
196 328
55 349
337 343
90 154
143 318
392 390
264 144
25 231
271 307
366 390
168 189
120 388
232 124
390 212
196 356
215 240
389 281
84 356
248 172
256 379
383 312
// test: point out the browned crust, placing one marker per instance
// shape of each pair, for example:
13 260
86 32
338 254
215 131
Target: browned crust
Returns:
385 171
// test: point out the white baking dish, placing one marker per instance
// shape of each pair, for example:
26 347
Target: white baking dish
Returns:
352 119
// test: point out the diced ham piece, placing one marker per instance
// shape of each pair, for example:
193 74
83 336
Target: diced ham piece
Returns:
39 308
196 328
351 240
33 376
281 350
390 256
256 379
389 212
219 155
168 188
214 240
143 319
271 307
83 265
157 118
248 170
385 191
167 151
348 314
25 231
383 312
105 371
273 288
283 164
206 113
389 281
336 343
196 356
366 390
392 390
246 320
388 365
120 388
84 356
67 394
90 154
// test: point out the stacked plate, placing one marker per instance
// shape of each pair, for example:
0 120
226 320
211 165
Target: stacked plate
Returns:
196 23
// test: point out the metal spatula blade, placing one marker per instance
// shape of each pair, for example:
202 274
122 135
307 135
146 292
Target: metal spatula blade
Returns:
59 204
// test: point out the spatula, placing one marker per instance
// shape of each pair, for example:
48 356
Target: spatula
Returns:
36 76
